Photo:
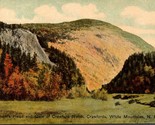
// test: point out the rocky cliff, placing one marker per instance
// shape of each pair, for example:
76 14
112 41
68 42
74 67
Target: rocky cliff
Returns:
25 40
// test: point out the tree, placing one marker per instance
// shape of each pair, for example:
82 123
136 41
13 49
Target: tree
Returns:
71 75
137 75
14 86
8 66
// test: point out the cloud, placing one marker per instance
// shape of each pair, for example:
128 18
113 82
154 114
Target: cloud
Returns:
146 34
137 31
47 14
150 40
139 15
70 11
78 11
5 13
50 14
9 16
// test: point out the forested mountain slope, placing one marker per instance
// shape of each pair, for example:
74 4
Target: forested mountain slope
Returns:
137 75
99 49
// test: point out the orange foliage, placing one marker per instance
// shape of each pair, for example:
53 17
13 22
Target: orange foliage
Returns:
7 65
41 94
26 86
14 84
17 87
55 86
58 90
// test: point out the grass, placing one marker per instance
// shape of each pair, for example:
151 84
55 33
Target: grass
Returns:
79 110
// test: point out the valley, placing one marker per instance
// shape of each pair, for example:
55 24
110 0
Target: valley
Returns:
79 110
58 73
98 48
77 62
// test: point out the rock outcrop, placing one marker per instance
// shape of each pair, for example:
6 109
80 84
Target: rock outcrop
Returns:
26 41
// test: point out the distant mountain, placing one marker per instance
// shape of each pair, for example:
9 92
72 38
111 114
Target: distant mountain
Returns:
99 49
137 75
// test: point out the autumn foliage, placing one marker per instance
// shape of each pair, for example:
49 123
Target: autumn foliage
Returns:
8 66
40 84
22 77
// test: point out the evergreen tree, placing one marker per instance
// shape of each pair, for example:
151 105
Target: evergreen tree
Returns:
71 76
137 75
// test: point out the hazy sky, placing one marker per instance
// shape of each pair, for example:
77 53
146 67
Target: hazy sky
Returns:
135 16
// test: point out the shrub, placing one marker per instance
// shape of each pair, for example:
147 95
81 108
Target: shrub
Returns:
99 94
131 101
117 97
78 91
152 104
117 103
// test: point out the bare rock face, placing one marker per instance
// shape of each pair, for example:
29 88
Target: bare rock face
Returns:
26 41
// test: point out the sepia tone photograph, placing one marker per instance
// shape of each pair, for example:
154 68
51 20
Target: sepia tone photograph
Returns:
77 61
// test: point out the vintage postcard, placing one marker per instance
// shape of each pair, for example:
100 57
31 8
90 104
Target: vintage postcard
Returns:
77 61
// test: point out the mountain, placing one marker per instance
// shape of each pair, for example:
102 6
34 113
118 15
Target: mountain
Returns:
137 75
24 40
28 73
98 48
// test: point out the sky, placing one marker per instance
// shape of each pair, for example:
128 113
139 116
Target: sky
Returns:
135 16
